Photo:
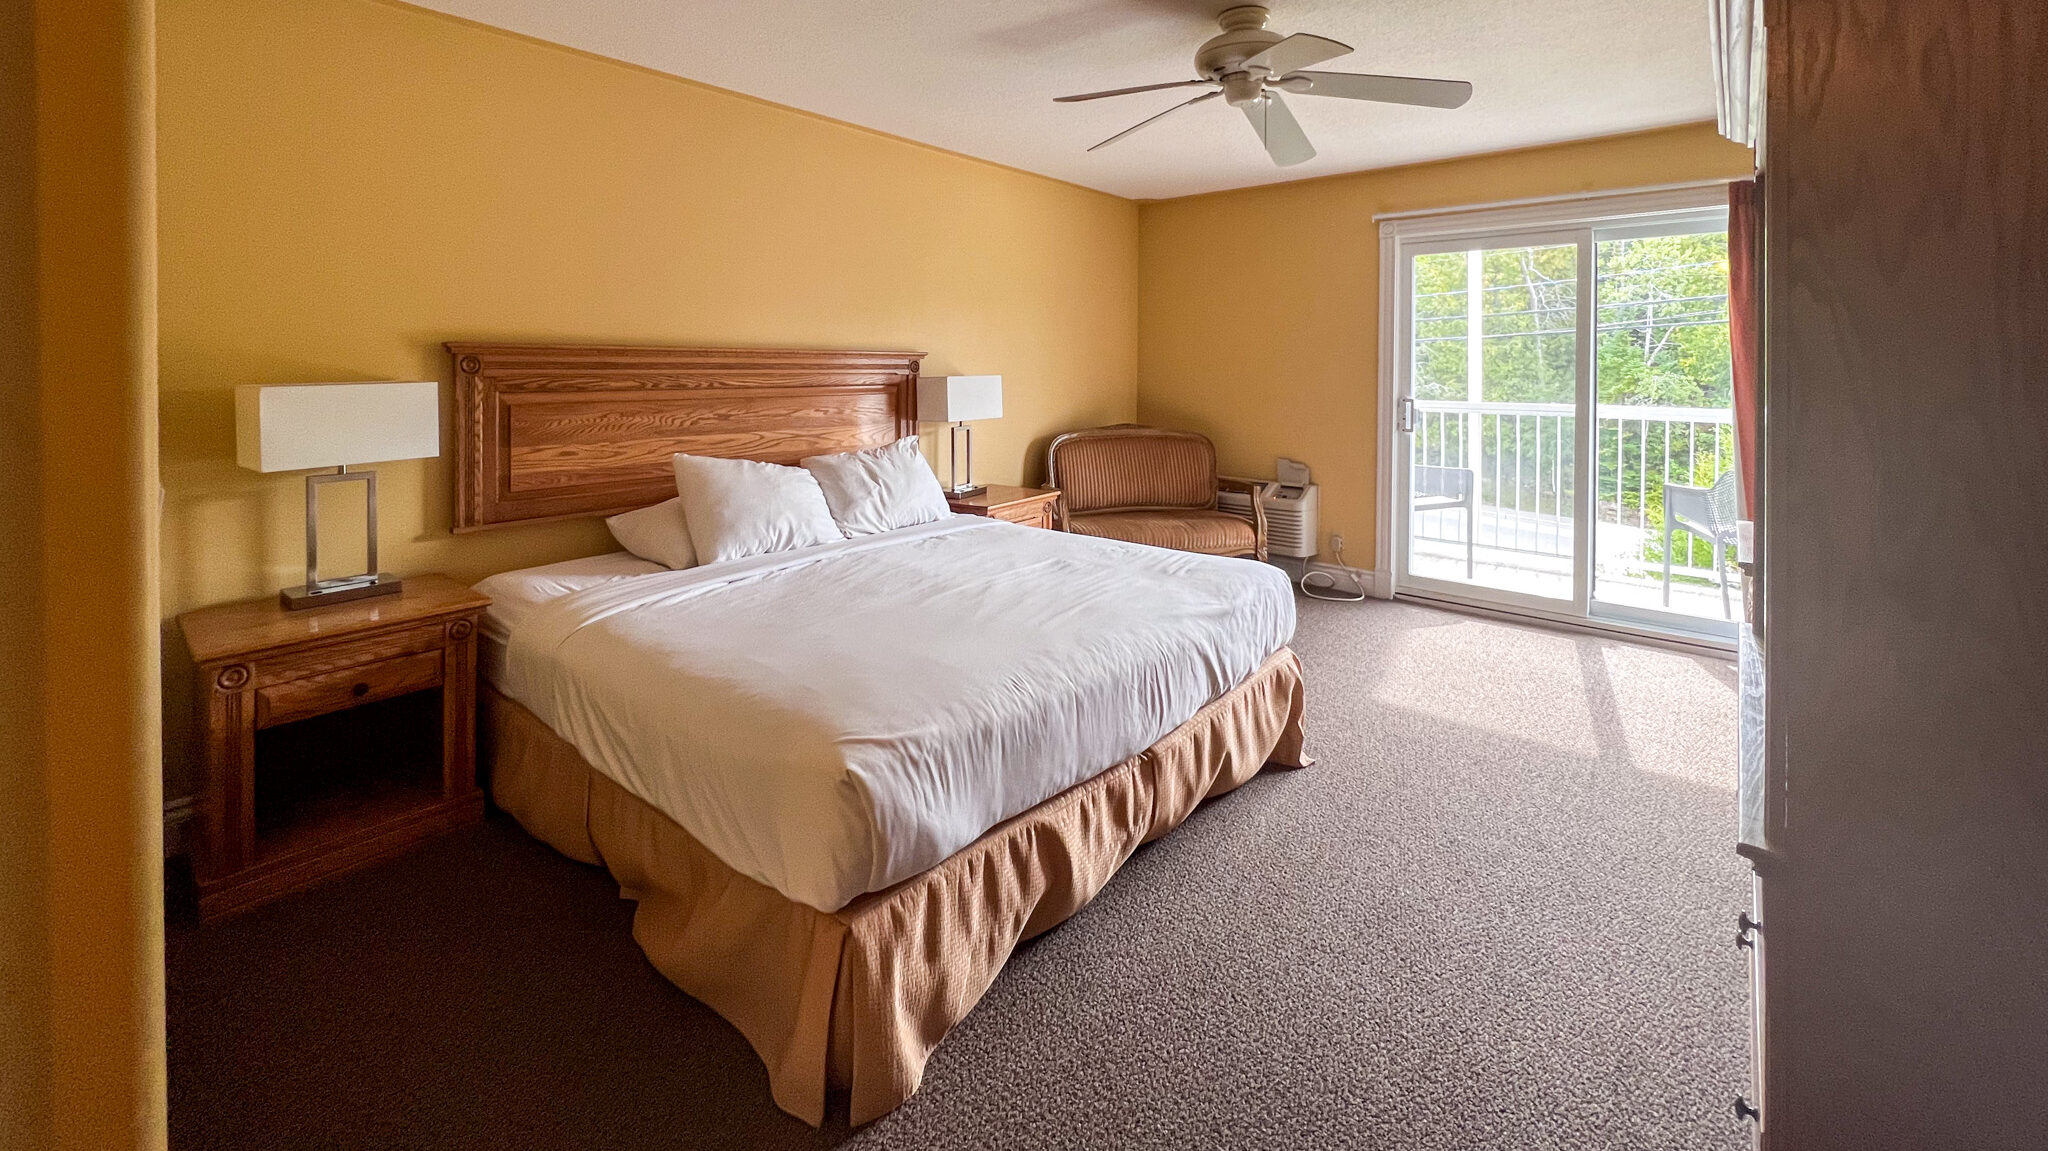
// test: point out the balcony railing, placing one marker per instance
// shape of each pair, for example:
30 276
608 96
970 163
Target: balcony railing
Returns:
1524 456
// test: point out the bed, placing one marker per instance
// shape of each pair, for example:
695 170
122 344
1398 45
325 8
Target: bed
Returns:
842 782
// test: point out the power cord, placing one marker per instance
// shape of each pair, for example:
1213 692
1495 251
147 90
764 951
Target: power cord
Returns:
1328 584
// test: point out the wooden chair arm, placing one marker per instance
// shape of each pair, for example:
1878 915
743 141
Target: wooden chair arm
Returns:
1250 487
1059 507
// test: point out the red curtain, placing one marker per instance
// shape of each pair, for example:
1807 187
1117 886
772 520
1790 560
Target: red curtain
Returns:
1744 236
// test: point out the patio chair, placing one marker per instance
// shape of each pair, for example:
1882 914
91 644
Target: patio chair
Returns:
1708 513
1441 489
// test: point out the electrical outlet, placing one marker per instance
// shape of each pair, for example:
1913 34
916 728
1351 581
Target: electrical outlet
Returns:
1336 543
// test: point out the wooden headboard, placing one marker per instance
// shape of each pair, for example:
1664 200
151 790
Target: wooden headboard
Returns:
554 431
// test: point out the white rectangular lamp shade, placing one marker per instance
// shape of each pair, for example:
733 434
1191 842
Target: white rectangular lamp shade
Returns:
294 427
951 399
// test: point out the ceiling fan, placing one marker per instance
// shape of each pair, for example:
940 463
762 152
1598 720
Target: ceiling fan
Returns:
1249 67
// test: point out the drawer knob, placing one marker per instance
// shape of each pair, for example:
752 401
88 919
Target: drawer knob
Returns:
361 689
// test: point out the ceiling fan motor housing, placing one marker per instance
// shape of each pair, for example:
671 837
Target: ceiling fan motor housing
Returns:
1249 67
1222 56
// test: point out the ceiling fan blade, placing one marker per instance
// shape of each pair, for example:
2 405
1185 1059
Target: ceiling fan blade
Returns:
1385 89
1298 51
1279 130
1161 116
1129 91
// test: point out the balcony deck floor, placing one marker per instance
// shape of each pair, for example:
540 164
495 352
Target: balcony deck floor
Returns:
1550 577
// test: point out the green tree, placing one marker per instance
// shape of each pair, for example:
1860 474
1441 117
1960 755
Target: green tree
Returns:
1663 326
1661 340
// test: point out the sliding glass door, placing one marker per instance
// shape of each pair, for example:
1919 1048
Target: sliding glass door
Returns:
1665 423
1564 440
1490 419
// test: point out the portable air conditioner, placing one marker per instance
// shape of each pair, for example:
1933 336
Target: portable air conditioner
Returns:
1290 504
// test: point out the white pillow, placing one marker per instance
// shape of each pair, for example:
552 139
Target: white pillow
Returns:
740 508
880 489
656 532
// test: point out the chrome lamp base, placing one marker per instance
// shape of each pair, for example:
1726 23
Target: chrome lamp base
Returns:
339 591
317 592
957 486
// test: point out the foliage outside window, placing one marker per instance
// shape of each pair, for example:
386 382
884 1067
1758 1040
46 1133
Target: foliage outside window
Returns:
1661 342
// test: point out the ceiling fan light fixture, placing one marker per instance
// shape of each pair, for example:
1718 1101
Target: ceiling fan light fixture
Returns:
1241 88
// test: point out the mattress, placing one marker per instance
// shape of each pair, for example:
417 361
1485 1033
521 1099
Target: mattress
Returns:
834 720
515 595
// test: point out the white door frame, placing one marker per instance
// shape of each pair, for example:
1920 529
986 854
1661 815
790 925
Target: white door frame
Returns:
1404 234
1403 444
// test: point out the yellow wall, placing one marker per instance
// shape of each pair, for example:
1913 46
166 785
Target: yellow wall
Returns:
1259 309
81 910
345 185
24 826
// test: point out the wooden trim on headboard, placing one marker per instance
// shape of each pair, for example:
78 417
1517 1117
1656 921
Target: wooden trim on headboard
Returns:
559 431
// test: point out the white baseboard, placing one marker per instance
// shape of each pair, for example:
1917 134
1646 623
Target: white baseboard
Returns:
1367 579
1296 568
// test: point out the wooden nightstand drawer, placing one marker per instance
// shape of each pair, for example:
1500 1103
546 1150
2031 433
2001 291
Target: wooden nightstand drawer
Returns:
348 687
1031 507
280 669
1031 515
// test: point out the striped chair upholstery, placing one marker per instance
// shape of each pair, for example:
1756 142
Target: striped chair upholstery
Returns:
1149 486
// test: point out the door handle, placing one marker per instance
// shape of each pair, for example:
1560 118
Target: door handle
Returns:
1406 420
1745 931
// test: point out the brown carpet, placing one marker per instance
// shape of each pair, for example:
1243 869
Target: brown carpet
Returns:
1498 913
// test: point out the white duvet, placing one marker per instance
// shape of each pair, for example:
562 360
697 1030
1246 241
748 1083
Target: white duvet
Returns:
834 720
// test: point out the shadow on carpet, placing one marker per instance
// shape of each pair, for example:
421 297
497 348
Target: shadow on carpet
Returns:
1495 914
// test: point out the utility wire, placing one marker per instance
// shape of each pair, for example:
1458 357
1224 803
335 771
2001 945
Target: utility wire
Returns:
1327 588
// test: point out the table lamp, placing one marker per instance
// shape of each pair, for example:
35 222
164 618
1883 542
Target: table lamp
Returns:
293 427
956 400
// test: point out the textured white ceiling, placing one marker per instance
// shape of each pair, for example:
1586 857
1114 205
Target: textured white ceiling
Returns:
978 76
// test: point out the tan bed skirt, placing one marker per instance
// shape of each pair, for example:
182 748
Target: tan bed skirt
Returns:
859 997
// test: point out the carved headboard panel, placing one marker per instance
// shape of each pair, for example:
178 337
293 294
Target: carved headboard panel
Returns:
548 431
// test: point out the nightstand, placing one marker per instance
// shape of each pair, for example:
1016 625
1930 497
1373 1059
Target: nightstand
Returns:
295 790
1032 507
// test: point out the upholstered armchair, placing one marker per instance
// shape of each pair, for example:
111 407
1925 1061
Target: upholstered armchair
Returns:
1150 486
